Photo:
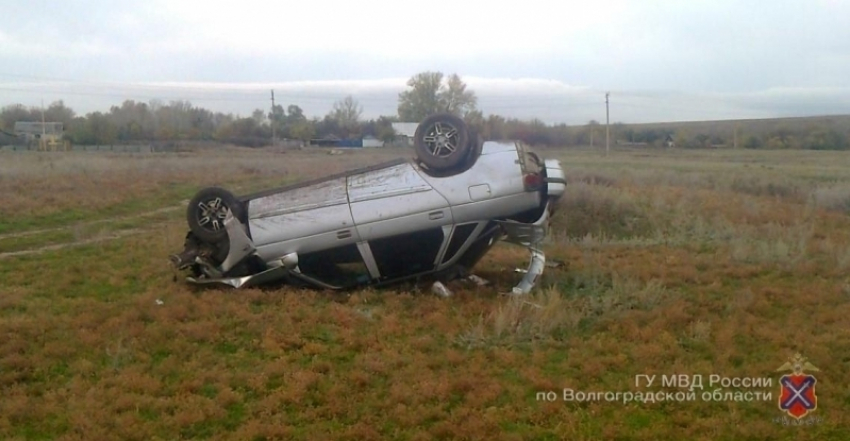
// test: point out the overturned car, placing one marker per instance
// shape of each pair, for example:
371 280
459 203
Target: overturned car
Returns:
434 215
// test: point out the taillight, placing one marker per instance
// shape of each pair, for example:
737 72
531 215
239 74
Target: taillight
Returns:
532 181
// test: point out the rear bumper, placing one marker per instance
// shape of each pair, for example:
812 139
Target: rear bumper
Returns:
556 181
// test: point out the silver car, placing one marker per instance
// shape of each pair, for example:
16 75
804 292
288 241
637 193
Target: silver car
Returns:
434 215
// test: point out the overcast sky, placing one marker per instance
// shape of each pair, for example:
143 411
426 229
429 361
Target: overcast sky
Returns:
664 60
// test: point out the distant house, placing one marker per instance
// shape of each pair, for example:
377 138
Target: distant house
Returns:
45 136
335 141
404 132
30 130
371 141
328 141
668 141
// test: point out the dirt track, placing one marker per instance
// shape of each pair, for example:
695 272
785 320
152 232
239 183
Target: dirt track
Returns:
97 237
59 246
89 223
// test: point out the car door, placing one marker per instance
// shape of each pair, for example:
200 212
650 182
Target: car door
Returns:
395 200
306 218
402 222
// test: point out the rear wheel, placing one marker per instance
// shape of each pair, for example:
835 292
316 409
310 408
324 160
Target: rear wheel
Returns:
207 211
442 142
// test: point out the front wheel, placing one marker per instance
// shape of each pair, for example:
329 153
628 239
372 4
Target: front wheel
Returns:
442 142
207 211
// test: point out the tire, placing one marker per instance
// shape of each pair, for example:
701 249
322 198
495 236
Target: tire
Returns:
442 142
207 211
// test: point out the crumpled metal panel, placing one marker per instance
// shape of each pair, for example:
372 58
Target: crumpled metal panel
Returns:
527 234
316 215
260 278
535 269
322 194
240 245
392 181
393 201
530 236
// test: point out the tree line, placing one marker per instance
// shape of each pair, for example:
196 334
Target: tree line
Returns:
426 93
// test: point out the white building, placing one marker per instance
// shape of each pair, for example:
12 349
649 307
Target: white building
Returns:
404 132
371 141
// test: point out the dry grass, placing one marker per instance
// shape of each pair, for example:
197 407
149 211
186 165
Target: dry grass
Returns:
677 263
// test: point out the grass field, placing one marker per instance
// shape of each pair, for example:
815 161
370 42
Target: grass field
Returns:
677 262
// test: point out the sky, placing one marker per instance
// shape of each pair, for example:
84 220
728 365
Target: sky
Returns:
660 60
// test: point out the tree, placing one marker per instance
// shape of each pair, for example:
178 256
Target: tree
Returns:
98 129
456 99
475 120
429 94
617 130
133 120
423 99
346 114
303 130
826 139
259 116
16 112
58 112
495 128
384 129
277 116
753 142
294 114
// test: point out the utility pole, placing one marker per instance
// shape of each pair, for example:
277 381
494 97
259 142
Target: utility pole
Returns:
274 135
607 125
735 136
42 141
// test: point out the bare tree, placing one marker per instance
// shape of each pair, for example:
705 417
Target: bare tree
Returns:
346 113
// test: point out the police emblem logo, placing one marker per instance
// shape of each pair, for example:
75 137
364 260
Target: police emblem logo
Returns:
797 394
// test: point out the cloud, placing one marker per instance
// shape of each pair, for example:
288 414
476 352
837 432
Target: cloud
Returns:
550 100
552 59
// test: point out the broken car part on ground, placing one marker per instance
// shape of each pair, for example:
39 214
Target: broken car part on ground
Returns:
434 215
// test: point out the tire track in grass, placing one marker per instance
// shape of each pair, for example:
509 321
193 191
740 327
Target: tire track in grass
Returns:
92 223
60 246
96 237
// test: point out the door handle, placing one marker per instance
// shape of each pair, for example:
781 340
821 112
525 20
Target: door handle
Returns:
434 215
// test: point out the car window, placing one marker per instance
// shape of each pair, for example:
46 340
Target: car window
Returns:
407 254
459 237
480 245
342 266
